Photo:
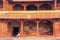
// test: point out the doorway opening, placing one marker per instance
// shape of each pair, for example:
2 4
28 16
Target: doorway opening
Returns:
15 31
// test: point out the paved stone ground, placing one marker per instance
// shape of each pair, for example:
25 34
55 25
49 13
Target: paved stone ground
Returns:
29 38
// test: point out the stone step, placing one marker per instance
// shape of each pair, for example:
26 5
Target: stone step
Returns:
29 38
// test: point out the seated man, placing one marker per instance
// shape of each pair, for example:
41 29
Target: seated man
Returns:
18 35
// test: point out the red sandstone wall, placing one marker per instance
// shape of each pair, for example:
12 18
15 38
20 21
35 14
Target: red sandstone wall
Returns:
57 29
58 6
4 29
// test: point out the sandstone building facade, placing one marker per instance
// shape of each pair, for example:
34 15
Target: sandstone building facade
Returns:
29 18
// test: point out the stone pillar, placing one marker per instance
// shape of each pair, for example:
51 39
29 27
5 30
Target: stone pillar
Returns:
21 27
55 4
24 7
37 6
37 28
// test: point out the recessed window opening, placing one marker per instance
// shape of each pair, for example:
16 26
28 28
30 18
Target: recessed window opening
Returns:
18 7
45 7
31 7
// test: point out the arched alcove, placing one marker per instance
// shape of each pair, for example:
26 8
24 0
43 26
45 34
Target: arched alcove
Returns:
45 7
31 7
46 27
30 27
18 7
